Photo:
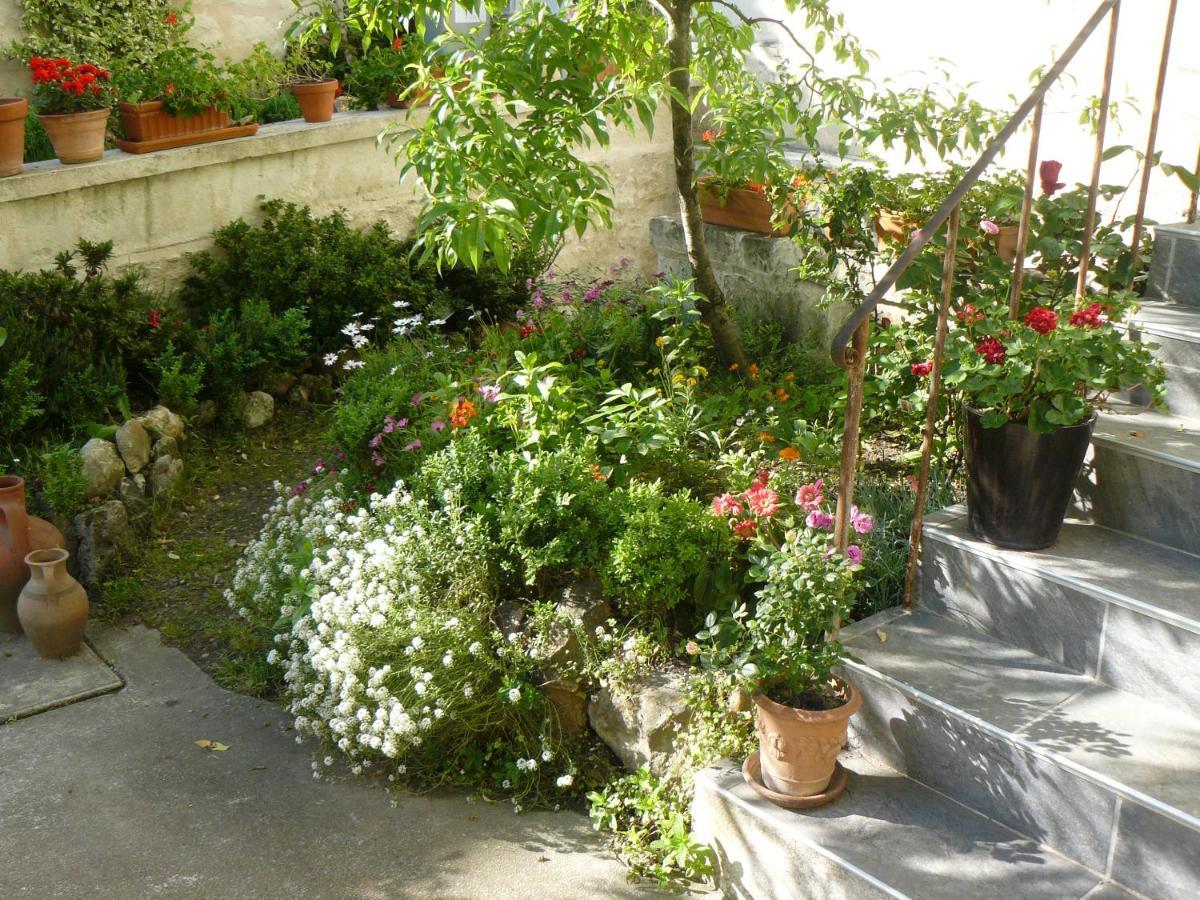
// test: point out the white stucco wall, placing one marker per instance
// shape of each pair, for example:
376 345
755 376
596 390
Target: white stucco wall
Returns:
997 45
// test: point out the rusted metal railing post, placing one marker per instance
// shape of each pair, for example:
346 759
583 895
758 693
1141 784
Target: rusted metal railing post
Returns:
854 404
1195 201
1151 142
1035 136
1089 219
935 386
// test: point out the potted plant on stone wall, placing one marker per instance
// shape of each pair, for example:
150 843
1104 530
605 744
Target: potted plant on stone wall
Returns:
1030 390
182 93
387 75
73 101
745 183
13 112
780 644
312 85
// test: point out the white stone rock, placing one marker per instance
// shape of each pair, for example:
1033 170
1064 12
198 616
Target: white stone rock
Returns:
164 473
161 422
102 468
167 446
640 721
258 409
133 442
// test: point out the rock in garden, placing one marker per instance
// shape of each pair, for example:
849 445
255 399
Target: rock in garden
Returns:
164 474
167 446
103 533
641 720
258 409
511 618
102 468
205 414
299 395
570 704
278 384
133 494
319 387
583 606
133 442
161 422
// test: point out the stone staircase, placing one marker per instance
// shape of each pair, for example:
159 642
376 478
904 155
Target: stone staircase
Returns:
1032 729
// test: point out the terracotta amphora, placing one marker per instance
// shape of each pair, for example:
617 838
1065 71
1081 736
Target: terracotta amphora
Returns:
798 748
53 606
19 534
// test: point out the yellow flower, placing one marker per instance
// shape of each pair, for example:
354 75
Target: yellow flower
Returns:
692 382
703 372
767 437
677 378
661 341
789 453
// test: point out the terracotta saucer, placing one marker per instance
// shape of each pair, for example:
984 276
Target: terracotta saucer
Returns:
752 772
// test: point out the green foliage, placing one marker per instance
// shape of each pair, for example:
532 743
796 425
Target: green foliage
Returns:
241 346
648 579
37 143
383 72
20 402
186 79
85 334
179 383
60 476
105 32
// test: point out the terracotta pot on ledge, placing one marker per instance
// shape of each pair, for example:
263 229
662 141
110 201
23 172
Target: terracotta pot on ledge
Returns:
13 111
739 208
316 98
148 121
77 137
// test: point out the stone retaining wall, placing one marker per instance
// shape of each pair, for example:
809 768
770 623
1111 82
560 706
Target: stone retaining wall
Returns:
157 207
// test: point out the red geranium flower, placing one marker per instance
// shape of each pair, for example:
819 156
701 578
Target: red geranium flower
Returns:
969 314
172 19
1042 319
991 350
1088 317
921 369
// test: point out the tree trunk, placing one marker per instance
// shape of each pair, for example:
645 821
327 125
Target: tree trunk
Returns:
712 303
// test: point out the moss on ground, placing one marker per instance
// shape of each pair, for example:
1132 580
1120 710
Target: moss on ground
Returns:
177 579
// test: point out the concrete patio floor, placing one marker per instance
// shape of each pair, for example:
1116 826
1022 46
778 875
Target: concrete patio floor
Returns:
110 797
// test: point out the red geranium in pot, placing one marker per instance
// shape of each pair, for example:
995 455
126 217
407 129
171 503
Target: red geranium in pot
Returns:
73 102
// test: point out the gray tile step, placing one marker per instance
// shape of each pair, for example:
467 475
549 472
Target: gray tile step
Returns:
1175 329
886 837
1142 476
1098 602
1107 778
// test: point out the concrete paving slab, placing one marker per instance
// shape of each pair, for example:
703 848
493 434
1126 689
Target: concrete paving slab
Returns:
112 798
30 684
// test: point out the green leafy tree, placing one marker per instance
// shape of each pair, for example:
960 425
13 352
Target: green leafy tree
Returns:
517 98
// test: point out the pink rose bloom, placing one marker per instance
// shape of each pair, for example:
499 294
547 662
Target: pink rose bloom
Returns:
726 505
854 554
987 226
809 496
819 520
1049 171
762 500
860 521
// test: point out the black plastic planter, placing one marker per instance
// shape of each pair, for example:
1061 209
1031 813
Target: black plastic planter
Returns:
1019 482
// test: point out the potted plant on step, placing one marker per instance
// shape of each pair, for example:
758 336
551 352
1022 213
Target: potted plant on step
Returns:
780 644
73 101
1030 389
312 85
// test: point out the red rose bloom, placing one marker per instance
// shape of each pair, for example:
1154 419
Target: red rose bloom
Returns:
1042 319
991 350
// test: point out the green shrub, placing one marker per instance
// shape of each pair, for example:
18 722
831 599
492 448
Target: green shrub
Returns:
37 142
178 382
239 347
86 336
60 472
20 402
663 544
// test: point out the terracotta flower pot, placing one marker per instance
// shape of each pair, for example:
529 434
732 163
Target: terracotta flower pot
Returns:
13 111
77 137
798 748
53 606
19 534
148 121
893 226
738 208
1006 243
316 99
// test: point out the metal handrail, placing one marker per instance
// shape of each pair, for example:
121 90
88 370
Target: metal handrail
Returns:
839 350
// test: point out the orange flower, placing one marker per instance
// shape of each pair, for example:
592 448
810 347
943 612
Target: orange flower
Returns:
754 370
757 186
397 42
789 453
734 367
172 19
597 472
170 88
781 395
766 437
789 377
464 411
709 135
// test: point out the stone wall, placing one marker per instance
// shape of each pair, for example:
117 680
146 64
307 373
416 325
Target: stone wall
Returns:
159 206
757 274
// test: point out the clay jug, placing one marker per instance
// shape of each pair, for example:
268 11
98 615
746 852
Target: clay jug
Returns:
53 606
19 534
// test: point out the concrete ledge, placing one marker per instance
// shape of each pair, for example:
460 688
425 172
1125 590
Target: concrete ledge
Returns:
52 177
